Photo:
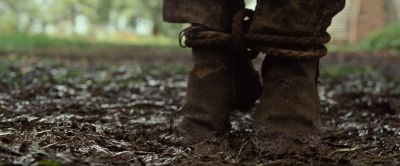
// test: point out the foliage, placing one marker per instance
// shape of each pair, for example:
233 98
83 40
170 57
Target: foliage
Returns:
175 68
48 163
21 41
90 17
346 70
388 39
26 42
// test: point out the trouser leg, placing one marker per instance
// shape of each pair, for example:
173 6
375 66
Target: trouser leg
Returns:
295 18
214 14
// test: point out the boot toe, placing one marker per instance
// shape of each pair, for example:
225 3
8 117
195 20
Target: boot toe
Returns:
274 145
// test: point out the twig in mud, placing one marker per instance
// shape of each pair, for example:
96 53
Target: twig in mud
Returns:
278 162
143 153
344 150
244 143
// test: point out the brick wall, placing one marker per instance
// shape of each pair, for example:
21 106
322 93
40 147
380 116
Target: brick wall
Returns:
372 16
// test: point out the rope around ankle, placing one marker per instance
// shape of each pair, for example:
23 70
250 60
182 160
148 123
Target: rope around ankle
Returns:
249 45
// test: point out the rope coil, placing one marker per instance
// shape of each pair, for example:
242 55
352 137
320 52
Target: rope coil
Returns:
250 45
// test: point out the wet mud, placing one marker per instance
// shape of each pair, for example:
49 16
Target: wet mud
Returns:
116 114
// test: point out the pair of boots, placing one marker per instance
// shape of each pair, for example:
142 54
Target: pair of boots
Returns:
287 115
287 119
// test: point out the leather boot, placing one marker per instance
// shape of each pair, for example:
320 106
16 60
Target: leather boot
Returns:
288 119
209 97
218 83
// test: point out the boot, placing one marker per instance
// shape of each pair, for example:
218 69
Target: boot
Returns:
217 85
209 97
211 93
288 119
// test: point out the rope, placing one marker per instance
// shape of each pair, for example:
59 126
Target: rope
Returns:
249 45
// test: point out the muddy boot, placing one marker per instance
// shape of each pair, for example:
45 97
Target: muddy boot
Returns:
288 119
209 97
215 83
211 93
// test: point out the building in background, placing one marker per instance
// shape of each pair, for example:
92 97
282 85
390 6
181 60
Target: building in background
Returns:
362 17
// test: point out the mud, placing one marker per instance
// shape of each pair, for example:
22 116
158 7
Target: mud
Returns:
72 112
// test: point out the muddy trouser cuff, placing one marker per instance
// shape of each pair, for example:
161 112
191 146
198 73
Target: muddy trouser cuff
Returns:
292 28
214 14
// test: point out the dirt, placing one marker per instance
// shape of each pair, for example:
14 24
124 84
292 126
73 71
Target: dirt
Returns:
79 112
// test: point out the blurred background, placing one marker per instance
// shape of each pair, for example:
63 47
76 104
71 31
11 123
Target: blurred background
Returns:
30 24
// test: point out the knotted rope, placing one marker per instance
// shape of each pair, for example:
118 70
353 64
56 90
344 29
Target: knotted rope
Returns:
249 45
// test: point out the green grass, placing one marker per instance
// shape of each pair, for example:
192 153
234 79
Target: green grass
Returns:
7 62
68 75
176 69
48 163
346 70
387 39
24 42
9 42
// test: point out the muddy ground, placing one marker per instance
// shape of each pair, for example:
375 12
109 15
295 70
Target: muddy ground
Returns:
114 110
